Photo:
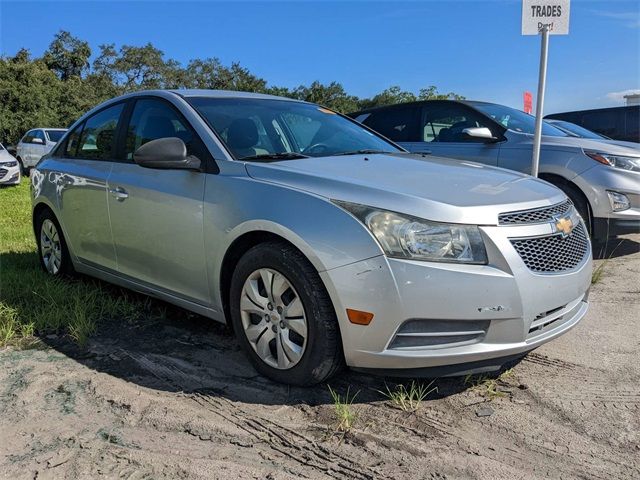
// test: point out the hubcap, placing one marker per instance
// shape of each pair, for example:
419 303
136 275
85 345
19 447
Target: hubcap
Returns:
50 248
279 336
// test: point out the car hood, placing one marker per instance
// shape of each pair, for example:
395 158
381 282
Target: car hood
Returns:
606 146
435 188
6 156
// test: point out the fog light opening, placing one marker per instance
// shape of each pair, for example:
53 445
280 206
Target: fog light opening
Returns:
618 201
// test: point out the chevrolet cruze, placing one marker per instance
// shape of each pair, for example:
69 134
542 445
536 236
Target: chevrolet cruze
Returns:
318 241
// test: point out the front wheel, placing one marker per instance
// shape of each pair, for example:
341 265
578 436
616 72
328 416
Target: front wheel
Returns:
283 316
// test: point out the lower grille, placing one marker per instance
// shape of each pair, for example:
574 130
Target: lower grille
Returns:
553 253
426 333
3 172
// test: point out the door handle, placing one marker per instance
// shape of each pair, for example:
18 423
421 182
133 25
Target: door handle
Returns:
119 193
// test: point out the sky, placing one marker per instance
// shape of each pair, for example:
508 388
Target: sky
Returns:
473 48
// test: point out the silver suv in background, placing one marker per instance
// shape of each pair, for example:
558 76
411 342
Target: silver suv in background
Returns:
601 178
318 240
36 143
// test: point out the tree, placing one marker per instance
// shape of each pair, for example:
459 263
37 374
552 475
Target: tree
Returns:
332 96
67 55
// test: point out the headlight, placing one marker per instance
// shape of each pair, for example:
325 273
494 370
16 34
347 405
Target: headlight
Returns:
12 163
404 236
625 163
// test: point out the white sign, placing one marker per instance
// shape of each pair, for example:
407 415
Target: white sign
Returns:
554 14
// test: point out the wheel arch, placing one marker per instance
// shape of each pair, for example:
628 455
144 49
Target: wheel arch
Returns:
558 180
245 240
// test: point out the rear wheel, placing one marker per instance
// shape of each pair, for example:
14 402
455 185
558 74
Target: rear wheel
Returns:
52 248
283 317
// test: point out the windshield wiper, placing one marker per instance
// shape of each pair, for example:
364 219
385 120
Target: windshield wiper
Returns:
362 152
275 156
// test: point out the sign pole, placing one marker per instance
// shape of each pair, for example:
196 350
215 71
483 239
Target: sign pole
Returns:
542 80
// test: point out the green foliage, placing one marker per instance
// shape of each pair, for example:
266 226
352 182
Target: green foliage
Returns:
58 88
343 409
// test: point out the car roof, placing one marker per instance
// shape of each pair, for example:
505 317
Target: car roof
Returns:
471 103
226 94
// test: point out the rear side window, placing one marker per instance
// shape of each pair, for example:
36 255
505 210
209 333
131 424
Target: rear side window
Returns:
398 124
152 119
55 135
39 134
97 141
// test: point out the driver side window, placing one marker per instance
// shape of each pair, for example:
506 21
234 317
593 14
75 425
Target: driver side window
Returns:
446 123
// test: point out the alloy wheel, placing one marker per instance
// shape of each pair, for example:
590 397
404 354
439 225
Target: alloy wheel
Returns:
273 318
50 247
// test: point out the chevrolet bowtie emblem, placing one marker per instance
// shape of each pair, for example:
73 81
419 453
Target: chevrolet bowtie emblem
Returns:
564 225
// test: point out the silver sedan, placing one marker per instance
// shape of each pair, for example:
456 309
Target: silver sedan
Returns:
319 241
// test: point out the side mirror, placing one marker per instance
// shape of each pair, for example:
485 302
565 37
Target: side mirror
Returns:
480 132
37 140
166 153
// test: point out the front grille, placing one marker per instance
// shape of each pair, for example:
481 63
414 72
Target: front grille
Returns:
3 172
553 253
535 215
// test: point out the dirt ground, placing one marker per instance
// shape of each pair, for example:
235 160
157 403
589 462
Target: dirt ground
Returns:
179 400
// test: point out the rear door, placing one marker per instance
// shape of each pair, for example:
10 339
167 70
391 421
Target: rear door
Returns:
441 132
88 155
157 215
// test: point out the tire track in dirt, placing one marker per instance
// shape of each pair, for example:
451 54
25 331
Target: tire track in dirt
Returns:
293 445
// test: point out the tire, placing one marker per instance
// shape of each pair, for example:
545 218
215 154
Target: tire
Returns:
296 289
52 248
23 171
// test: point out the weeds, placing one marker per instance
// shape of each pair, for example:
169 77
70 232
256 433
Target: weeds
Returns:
343 407
596 276
487 386
409 399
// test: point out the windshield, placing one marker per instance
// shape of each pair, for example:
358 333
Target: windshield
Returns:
576 130
1 147
255 129
55 135
516 120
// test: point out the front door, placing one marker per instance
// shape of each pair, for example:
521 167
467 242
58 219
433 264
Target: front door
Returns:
157 215
441 133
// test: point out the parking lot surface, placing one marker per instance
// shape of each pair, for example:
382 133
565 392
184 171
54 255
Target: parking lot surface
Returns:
179 400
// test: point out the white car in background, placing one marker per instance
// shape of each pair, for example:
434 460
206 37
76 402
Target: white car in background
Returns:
36 143
9 168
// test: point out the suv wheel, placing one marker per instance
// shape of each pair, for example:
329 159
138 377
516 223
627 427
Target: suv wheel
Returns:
52 248
283 317
23 171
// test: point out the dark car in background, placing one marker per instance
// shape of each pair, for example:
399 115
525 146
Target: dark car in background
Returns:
617 123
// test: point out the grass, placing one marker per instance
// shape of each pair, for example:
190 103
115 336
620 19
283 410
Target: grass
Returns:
343 408
409 398
33 304
488 386
596 276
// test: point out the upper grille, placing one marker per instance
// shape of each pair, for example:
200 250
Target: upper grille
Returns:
536 215
553 253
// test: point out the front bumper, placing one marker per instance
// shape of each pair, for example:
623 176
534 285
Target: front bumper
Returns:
486 311
595 183
10 175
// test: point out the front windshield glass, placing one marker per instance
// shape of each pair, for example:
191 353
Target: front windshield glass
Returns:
1 147
577 130
516 120
55 135
254 128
